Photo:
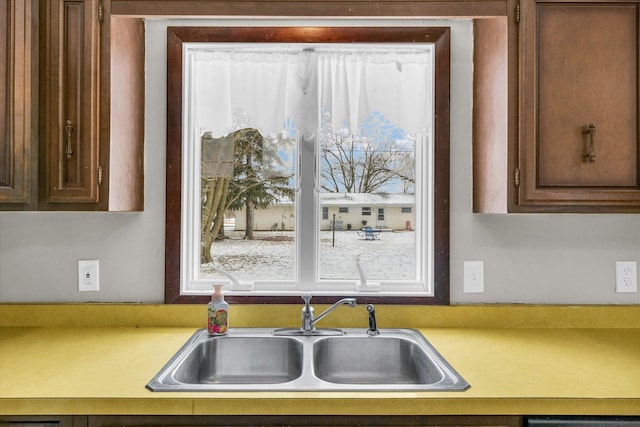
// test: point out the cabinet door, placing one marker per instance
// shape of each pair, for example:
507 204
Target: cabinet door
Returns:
579 144
71 144
18 104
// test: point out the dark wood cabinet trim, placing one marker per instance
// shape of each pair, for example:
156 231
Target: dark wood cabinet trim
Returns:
324 8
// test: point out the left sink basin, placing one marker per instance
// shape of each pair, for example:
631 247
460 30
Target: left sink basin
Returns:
250 358
242 360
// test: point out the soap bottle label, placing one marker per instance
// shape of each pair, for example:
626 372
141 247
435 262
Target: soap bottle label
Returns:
217 324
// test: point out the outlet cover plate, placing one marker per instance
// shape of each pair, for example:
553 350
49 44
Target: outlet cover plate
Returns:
88 275
473 281
626 276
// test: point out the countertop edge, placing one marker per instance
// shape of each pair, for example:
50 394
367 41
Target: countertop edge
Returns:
370 405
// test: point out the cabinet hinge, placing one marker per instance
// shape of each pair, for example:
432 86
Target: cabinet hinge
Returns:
518 13
99 175
100 12
516 177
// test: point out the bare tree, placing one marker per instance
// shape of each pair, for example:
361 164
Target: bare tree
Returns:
356 165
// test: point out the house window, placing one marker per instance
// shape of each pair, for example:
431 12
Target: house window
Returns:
343 210
406 209
271 131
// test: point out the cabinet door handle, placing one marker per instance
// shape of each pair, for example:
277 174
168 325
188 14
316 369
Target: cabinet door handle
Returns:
591 130
68 131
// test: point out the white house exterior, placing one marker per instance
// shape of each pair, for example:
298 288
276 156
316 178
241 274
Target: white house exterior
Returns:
279 216
380 211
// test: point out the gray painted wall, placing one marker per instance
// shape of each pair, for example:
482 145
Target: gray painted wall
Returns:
560 259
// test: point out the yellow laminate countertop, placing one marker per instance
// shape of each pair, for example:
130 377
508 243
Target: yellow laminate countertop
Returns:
59 367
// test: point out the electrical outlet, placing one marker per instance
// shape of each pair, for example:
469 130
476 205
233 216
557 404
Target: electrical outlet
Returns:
473 277
88 275
626 276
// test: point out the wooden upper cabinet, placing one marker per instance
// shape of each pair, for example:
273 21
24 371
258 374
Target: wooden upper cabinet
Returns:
62 147
18 104
579 147
71 171
561 133
91 157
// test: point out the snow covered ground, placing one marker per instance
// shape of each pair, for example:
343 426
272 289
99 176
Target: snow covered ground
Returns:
272 256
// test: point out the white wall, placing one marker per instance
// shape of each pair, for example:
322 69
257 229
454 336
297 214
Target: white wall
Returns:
264 219
566 259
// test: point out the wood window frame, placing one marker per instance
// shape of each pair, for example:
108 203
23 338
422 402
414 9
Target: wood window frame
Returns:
441 38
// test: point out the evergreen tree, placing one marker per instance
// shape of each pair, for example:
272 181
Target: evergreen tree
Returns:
253 185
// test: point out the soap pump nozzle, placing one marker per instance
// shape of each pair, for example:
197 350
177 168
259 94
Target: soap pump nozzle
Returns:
217 293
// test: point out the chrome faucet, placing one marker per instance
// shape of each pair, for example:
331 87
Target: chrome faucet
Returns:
309 321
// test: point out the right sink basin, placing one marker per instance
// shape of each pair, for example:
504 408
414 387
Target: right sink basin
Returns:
381 360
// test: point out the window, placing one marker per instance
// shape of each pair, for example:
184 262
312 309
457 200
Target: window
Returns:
406 209
343 210
287 173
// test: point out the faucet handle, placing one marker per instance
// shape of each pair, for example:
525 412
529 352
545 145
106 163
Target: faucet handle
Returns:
307 300
307 314
307 310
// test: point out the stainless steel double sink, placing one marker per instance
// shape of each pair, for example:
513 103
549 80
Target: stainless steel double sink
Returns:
256 359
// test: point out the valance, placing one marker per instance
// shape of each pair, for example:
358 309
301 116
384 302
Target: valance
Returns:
359 89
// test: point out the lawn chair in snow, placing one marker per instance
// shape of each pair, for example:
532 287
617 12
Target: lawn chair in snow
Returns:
368 233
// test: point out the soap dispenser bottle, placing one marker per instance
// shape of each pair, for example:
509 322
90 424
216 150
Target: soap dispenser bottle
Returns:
218 311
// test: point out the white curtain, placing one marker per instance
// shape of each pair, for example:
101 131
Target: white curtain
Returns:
394 86
262 87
